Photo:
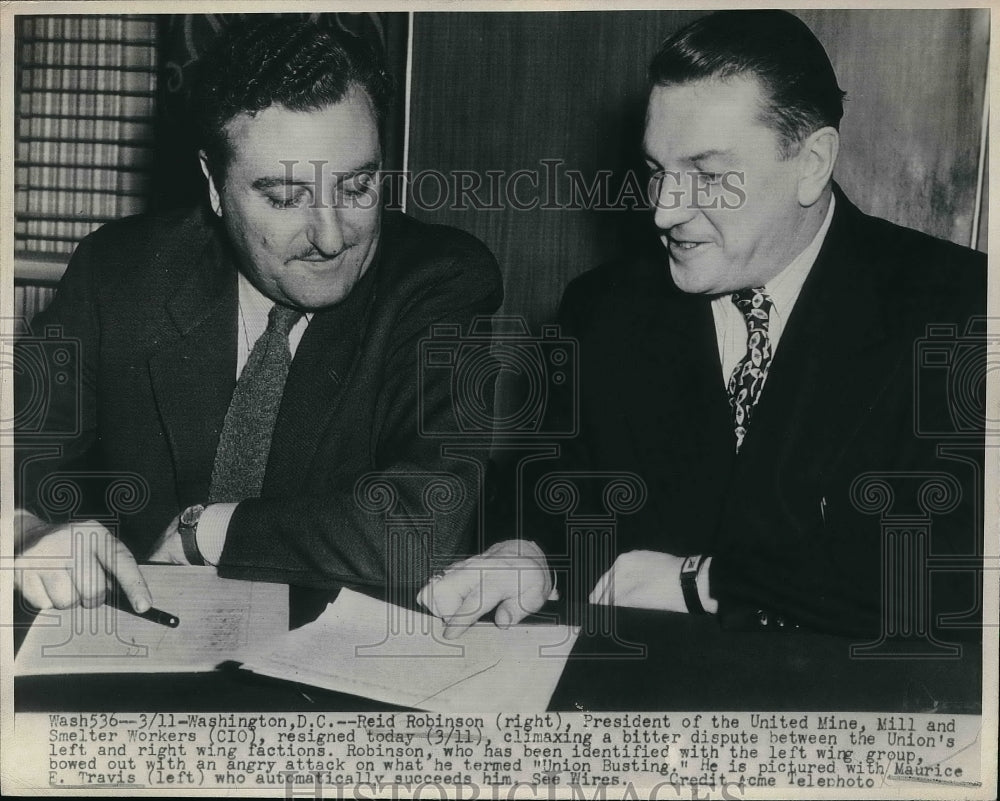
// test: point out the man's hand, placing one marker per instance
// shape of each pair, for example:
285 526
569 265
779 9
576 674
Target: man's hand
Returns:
648 580
170 548
512 577
66 564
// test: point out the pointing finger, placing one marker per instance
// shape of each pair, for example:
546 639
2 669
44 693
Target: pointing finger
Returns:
119 562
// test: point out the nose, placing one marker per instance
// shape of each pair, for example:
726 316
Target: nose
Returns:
326 230
673 203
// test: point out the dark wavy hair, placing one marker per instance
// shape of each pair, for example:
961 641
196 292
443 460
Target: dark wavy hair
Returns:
292 61
774 47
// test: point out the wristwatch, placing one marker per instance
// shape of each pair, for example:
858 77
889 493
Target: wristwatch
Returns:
187 527
690 568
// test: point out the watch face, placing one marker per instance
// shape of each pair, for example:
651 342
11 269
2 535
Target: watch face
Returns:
191 515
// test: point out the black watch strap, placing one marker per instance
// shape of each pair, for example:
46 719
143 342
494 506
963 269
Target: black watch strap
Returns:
690 568
187 527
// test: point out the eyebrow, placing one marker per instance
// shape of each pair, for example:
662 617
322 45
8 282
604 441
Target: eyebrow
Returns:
705 155
270 182
368 166
709 154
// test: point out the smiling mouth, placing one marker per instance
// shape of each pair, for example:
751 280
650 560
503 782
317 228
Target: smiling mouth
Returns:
317 263
683 246
319 258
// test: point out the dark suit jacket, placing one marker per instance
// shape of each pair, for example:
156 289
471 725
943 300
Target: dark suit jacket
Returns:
151 303
779 519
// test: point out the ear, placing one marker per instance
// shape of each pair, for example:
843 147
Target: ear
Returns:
817 157
213 191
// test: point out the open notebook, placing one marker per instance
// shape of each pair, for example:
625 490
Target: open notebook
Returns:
376 650
220 620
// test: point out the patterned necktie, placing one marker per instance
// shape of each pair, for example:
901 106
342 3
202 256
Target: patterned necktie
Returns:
747 380
245 442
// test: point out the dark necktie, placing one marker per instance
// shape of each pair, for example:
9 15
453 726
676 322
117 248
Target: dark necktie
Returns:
245 442
747 380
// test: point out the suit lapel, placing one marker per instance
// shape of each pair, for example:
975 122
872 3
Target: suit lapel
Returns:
830 362
321 368
194 372
681 426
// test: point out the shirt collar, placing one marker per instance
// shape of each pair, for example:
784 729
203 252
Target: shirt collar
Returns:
254 305
784 288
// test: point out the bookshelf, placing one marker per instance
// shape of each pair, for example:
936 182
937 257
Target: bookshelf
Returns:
84 115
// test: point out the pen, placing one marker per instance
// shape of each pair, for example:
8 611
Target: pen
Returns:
121 602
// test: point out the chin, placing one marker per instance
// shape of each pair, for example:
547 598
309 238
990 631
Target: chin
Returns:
690 282
312 302
318 304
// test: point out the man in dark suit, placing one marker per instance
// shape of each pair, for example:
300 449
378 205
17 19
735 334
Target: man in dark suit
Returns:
753 373
249 373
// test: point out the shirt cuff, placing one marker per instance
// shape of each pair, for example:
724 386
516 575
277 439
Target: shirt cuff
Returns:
212 528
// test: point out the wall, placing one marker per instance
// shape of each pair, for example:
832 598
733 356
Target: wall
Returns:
915 82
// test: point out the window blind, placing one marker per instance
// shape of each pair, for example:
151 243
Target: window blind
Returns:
85 95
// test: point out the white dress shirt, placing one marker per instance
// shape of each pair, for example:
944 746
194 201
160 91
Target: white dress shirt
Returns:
254 309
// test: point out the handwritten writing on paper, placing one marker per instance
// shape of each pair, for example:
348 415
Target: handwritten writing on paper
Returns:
220 620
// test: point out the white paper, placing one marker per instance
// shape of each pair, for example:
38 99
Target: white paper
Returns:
220 620
365 647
